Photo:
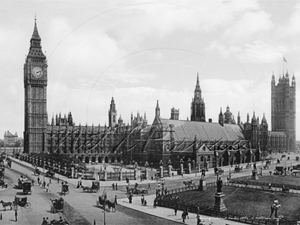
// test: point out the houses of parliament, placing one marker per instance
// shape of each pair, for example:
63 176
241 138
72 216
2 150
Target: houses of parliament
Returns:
165 140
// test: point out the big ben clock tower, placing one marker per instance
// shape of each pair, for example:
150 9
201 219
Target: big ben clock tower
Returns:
35 85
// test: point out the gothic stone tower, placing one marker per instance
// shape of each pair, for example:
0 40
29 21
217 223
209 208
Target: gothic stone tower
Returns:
283 106
112 114
198 105
35 85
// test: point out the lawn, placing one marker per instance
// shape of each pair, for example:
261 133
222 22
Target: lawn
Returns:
286 180
247 202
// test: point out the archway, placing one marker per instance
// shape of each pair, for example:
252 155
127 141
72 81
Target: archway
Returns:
226 156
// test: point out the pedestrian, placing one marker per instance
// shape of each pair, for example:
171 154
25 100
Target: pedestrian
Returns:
116 186
187 213
47 187
270 186
183 216
50 181
47 220
57 179
113 186
149 186
166 191
44 221
38 180
16 215
44 184
32 182
116 198
175 209
130 198
142 199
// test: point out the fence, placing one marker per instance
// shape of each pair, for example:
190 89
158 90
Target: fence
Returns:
211 211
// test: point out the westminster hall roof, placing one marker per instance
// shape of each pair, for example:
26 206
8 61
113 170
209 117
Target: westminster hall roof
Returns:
204 131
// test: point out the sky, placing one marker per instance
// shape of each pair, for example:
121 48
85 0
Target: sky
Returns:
142 51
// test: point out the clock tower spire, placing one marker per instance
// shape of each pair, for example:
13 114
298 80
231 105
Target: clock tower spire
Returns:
35 86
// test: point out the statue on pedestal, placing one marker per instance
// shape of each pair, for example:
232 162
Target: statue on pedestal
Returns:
219 185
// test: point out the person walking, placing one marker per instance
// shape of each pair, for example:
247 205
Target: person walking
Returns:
116 200
113 186
142 199
183 216
38 180
116 186
175 209
16 215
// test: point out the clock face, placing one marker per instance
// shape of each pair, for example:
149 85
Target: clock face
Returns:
37 72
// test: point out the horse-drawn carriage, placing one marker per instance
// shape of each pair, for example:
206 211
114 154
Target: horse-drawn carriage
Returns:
104 202
49 173
26 186
2 183
189 183
218 170
57 204
137 191
22 202
18 201
94 188
238 168
65 189
37 171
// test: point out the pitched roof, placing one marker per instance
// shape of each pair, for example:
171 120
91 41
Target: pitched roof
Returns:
187 130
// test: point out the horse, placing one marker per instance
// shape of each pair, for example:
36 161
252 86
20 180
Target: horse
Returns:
5 204
111 205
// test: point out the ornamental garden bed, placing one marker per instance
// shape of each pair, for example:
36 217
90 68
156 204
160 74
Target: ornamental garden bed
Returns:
244 202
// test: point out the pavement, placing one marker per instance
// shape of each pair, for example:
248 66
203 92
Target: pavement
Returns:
161 212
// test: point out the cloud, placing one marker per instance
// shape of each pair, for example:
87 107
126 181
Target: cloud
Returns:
256 52
249 24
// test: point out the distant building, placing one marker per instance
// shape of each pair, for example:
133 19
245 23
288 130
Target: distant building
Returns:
10 139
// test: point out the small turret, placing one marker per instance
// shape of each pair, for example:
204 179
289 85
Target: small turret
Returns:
157 110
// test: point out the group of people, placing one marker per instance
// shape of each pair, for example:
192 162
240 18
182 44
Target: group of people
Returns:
114 186
61 221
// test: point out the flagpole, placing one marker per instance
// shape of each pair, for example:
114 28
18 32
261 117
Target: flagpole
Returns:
283 66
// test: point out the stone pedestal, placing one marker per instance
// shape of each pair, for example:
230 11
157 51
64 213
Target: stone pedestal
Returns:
219 202
254 175
202 185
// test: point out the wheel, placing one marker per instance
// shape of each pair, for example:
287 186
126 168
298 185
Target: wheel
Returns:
28 205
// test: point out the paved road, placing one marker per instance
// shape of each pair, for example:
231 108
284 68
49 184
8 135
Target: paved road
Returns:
82 207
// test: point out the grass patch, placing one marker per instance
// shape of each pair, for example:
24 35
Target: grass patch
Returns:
246 202
278 179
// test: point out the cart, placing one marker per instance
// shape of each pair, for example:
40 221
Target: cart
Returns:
22 202
49 173
95 186
26 186
65 189
57 205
